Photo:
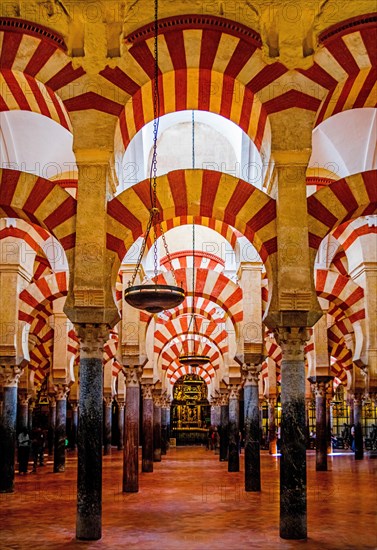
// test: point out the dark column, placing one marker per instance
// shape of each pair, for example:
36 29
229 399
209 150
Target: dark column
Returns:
131 436
168 424
60 429
234 428
121 425
224 428
107 425
272 426
51 424
157 426
164 442
75 413
357 415
252 431
293 514
23 411
8 426
320 387
30 415
89 440
147 452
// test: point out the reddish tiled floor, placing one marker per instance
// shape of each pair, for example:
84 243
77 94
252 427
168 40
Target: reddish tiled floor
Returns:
191 502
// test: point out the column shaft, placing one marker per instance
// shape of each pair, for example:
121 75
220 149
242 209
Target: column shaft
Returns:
156 433
357 415
8 439
164 442
107 426
321 432
120 426
234 414
89 443
131 441
51 425
272 427
252 443
224 433
147 452
74 426
60 435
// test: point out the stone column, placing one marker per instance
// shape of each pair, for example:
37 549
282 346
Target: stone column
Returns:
168 423
165 405
30 415
121 425
23 410
147 451
89 440
272 426
320 384
131 439
357 415
9 376
75 413
60 428
156 425
224 428
252 432
234 428
51 423
108 400
293 510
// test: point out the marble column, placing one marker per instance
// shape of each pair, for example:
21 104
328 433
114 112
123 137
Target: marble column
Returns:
89 440
131 435
163 431
30 415
147 450
51 423
156 425
252 428
357 416
60 428
75 413
234 428
108 401
9 376
320 384
23 411
224 428
272 426
293 508
120 425
168 409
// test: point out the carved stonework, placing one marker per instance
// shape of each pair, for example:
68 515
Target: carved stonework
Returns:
234 391
23 399
157 398
61 392
146 390
132 375
224 399
272 402
52 401
292 341
320 388
89 297
9 376
108 400
92 339
250 374
121 405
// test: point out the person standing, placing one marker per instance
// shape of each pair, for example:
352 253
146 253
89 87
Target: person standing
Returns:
23 451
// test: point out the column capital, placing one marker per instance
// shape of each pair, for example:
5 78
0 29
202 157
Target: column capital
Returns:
224 399
250 374
292 341
92 339
272 401
146 390
157 397
61 391
165 402
52 400
108 400
74 405
132 374
10 375
234 391
24 398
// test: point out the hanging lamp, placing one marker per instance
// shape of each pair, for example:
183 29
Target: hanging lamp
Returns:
154 298
193 359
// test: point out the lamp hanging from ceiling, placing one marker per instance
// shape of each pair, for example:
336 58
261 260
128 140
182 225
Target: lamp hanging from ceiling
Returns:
154 298
193 358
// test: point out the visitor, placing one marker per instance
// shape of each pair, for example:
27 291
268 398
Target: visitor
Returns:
353 437
37 447
23 451
278 438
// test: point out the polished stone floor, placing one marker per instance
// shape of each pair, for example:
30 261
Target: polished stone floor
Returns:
190 501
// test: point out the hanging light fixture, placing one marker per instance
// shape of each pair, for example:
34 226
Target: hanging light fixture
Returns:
193 358
154 298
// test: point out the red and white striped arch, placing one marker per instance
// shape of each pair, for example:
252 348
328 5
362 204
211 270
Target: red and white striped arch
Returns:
341 201
199 193
212 286
184 259
40 202
38 296
175 373
343 292
181 344
202 306
20 91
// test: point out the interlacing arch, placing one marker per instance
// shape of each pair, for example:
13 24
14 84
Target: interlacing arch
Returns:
174 375
343 292
38 296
